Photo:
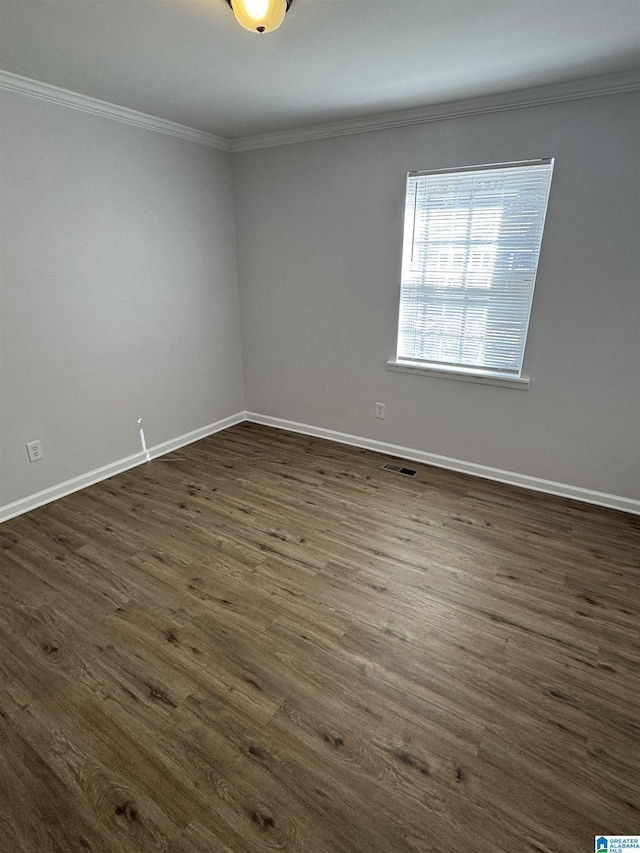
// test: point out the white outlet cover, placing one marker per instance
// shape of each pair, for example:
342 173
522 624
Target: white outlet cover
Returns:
34 449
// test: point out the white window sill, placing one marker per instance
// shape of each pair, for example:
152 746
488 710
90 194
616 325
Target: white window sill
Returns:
503 380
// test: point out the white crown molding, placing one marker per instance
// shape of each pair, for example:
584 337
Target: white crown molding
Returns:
53 493
512 478
593 87
45 92
575 90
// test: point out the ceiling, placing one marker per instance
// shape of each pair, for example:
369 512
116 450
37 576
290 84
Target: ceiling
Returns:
190 62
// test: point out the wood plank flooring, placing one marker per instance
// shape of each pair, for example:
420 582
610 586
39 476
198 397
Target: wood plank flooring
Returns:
264 642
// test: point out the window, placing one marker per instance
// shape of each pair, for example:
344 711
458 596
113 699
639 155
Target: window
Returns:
470 254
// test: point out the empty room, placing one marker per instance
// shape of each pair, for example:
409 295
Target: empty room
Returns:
319 426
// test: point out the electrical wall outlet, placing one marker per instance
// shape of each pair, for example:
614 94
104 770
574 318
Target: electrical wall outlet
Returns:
380 410
34 449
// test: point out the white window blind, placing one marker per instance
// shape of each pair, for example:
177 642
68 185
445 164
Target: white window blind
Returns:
470 254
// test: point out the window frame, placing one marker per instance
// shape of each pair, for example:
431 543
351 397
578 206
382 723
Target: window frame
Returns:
460 371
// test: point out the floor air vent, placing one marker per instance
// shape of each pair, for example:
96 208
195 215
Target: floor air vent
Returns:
399 469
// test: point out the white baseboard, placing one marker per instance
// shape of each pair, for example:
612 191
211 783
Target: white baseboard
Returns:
523 480
77 483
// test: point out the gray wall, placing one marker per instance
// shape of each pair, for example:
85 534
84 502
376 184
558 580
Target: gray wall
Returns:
119 297
118 291
319 239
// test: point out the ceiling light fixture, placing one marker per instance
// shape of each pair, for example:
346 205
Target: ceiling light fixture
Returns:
260 16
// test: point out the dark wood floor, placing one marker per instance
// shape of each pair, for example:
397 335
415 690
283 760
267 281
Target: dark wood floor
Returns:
264 642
